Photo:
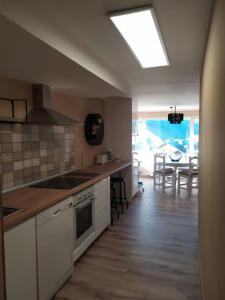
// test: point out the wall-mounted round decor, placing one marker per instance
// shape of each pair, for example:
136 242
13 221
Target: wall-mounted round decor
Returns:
94 129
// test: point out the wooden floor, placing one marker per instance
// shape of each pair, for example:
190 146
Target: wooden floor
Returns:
150 254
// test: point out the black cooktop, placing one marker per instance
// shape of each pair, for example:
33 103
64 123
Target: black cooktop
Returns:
61 182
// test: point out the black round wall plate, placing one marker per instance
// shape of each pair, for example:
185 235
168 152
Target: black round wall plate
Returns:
94 129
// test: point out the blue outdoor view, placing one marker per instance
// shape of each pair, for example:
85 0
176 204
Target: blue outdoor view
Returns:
171 133
160 134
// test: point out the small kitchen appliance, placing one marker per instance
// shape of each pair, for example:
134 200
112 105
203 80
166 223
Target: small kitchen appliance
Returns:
102 159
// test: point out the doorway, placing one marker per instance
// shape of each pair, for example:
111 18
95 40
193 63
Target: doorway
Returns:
157 135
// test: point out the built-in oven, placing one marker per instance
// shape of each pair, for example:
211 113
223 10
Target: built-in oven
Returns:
84 218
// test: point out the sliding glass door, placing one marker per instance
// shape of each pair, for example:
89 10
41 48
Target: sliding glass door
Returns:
159 136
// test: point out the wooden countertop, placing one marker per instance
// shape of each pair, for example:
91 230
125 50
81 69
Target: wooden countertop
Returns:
33 200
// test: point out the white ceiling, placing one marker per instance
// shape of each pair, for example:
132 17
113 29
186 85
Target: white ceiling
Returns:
24 57
82 32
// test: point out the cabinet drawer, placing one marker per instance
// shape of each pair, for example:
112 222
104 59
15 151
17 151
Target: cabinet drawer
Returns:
102 195
102 218
102 183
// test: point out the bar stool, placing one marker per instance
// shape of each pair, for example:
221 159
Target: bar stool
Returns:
121 183
114 209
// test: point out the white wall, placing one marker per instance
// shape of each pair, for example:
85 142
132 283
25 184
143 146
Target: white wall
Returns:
118 132
118 126
30 16
212 161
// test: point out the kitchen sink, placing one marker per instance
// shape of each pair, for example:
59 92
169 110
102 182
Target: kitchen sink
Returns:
7 211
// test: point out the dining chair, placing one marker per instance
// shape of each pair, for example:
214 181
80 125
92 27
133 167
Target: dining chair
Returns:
188 178
163 177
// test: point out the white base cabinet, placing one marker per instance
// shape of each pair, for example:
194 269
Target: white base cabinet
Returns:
54 248
38 253
102 218
102 205
20 261
135 179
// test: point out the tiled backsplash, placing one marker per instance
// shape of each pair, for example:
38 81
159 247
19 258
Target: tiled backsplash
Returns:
32 152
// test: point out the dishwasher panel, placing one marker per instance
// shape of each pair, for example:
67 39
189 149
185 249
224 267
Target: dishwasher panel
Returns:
54 248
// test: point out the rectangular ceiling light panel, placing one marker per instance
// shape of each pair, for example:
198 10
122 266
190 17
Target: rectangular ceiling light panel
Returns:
141 32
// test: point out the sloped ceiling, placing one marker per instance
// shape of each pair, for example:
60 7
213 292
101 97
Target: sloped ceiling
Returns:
25 57
82 32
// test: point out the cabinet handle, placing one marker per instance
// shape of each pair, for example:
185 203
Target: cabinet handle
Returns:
56 213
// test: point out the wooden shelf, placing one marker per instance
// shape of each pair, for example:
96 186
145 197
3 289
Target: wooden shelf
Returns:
13 119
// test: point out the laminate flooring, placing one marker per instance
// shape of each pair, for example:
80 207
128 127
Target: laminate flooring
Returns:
150 253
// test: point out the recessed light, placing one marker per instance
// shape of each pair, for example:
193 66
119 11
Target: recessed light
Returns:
140 30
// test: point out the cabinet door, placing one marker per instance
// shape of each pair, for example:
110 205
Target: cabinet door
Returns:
135 179
102 218
20 262
54 248
102 195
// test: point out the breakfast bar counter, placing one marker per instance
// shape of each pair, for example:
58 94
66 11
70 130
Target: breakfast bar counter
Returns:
33 200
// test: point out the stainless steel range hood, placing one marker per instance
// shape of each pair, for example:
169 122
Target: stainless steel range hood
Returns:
42 112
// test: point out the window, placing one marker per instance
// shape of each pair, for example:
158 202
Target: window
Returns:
159 136
196 136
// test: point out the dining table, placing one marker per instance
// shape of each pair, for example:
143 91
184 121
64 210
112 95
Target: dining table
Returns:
176 164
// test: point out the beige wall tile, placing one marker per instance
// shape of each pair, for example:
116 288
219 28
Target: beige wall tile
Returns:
18 165
31 152
27 163
17 147
16 137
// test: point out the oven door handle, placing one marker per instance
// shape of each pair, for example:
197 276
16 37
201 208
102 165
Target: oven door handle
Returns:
91 199
88 201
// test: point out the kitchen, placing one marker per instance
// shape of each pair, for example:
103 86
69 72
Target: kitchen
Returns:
61 232
52 222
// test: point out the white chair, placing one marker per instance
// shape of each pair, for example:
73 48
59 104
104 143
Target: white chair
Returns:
188 178
164 177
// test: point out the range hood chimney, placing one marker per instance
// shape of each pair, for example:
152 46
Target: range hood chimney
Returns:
42 112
